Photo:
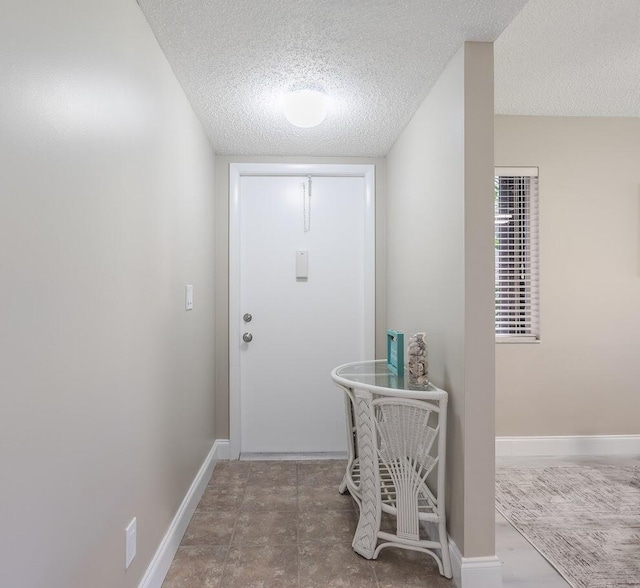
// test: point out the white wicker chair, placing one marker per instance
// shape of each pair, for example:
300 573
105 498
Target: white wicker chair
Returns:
396 466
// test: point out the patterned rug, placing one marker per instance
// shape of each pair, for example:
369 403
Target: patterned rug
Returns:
585 520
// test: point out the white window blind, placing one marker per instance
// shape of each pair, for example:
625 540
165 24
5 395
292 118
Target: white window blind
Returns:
516 243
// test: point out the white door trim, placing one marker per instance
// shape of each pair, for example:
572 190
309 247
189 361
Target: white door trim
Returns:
236 170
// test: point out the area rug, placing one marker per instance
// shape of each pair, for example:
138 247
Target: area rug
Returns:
585 520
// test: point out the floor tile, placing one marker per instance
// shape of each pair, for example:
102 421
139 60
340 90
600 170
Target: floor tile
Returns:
197 567
334 566
261 567
233 465
210 528
323 498
230 473
269 498
337 526
273 473
401 567
321 473
220 497
266 528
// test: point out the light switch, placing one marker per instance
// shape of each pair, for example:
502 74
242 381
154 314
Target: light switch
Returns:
302 265
188 298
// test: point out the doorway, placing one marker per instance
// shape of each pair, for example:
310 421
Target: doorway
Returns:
302 294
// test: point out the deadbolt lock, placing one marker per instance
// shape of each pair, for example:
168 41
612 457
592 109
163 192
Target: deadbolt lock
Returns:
247 318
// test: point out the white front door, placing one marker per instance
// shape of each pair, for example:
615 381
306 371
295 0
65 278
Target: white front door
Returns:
300 327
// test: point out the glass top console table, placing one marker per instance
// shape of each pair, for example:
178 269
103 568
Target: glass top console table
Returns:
396 433
376 376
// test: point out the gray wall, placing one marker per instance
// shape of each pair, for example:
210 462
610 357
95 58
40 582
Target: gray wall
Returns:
440 273
582 378
106 383
222 265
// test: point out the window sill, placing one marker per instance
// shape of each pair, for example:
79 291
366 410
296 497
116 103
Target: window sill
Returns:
517 340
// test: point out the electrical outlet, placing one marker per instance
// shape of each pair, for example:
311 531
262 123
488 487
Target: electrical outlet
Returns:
188 297
130 534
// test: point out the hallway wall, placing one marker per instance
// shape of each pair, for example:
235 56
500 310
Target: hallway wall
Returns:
440 273
106 212
222 264
582 378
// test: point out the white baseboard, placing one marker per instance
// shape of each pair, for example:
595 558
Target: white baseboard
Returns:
223 449
475 572
293 456
568 445
159 566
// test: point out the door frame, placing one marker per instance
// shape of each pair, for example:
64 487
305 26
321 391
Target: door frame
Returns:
236 171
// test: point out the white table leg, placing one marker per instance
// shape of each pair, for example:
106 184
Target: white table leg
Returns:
364 541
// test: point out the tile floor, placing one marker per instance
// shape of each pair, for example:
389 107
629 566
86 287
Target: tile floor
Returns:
266 524
281 524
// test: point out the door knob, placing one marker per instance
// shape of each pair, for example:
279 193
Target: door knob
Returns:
247 337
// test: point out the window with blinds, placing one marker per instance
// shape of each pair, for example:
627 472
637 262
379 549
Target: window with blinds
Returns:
516 243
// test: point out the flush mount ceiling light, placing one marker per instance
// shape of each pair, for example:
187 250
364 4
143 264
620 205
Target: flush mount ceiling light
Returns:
305 108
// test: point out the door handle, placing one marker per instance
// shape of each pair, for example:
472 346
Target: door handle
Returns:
247 337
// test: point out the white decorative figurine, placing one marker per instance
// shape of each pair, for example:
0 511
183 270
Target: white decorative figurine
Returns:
417 364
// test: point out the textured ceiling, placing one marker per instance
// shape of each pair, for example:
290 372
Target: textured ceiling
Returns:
570 58
377 60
